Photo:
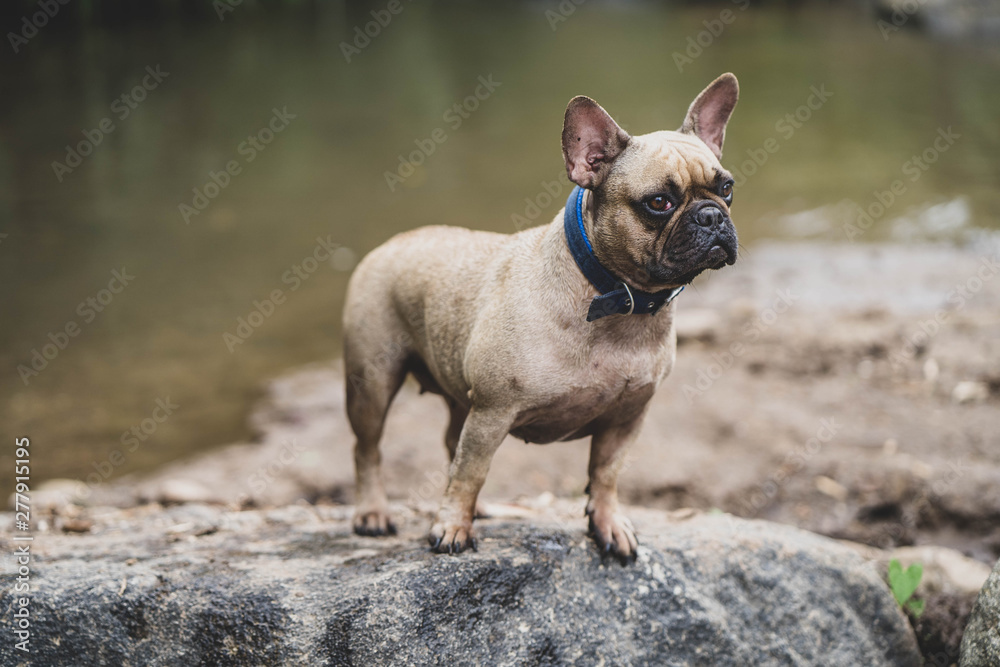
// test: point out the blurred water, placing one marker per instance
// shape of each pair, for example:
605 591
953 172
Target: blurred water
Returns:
320 183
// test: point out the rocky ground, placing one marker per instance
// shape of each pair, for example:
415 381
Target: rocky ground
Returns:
197 584
852 391
981 644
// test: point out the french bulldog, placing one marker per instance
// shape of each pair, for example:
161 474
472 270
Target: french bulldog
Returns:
558 332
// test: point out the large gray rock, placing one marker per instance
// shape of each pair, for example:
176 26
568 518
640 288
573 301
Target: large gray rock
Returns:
981 643
195 584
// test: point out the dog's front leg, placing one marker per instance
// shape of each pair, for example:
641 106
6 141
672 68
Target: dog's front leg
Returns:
611 529
483 432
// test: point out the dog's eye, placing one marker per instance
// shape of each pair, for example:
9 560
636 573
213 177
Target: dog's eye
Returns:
727 190
659 203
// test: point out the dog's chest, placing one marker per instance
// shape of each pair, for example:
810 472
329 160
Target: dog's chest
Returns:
625 364
618 379
601 388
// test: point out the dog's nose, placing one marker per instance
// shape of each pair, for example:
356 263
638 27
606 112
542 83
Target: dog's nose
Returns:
709 216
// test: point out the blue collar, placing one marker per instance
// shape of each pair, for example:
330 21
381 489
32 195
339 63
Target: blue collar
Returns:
617 298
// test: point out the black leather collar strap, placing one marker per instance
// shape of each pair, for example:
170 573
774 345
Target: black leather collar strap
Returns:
617 297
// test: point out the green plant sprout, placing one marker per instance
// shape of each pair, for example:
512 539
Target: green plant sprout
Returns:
903 584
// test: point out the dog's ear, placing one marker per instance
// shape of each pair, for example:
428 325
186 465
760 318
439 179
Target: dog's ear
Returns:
591 140
710 111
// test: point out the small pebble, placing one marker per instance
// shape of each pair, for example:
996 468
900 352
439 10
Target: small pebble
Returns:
970 391
831 487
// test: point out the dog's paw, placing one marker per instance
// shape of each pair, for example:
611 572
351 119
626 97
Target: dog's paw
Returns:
614 535
451 537
373 522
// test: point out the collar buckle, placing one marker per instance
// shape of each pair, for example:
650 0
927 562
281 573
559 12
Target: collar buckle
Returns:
609 287
630 301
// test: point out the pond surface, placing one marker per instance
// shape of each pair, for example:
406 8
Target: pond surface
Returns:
242 174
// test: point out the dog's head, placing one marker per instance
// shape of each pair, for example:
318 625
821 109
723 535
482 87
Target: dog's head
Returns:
660 201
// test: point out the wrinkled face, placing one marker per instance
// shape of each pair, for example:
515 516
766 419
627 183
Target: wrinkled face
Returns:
660 202
661 216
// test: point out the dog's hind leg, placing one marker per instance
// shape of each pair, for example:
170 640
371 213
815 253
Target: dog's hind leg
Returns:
375 369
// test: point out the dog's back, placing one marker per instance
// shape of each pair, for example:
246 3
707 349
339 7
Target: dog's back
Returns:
403 295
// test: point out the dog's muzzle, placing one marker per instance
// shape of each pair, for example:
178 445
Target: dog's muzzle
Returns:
717 234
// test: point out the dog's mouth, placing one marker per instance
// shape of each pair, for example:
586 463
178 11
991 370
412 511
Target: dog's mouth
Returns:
719 257
683 266
682 262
